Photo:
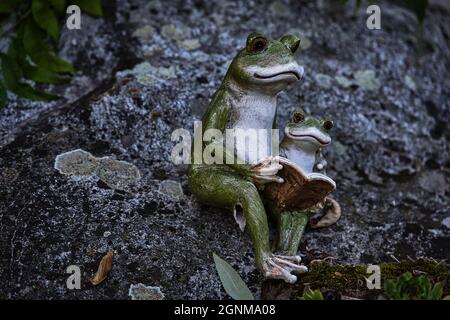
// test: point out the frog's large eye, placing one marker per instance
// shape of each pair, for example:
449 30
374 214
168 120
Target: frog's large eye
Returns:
257 44
327 124
298 117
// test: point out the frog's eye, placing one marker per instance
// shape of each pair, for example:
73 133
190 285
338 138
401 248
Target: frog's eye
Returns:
257 44
298 117
328 124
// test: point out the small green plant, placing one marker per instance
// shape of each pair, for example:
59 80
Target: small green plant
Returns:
33 35
231 281
407 287
309 294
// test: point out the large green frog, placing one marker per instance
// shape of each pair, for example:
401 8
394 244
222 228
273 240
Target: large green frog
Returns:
246 99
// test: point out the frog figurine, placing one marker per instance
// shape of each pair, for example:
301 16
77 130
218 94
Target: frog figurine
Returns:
246 99
304 139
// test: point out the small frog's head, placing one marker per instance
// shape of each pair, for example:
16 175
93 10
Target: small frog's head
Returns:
266 65
309 129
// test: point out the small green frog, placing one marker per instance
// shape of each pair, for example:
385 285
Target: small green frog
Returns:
246 99
304 139
302 144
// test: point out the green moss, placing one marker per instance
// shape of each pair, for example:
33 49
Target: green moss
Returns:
350 280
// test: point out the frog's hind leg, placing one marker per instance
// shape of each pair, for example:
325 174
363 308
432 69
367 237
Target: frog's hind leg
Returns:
229 190
291 226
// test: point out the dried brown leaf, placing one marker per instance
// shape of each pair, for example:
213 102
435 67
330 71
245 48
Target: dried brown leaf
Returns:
103 269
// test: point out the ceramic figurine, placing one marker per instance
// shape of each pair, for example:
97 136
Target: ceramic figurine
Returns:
247 99
305 186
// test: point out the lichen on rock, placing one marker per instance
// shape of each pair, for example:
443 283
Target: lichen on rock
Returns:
76 163
142 292
116 174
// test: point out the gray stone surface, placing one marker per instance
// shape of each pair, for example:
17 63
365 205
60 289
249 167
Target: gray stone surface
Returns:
390 154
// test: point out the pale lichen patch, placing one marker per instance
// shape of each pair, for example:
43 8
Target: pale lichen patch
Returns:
115 173
171 188
142 292
76 163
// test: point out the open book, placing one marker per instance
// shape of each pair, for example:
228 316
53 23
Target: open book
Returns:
299 189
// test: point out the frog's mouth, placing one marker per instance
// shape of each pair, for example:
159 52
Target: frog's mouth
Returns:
289 72
312 135
279 74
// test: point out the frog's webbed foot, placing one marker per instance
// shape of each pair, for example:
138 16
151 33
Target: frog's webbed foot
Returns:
282 267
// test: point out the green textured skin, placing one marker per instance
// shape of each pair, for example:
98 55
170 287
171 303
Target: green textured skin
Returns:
230 185
290 228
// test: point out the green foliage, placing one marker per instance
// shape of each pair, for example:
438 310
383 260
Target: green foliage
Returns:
231 281
408 287
309 294
31 54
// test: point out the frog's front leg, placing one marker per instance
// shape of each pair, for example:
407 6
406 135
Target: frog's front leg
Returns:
218 186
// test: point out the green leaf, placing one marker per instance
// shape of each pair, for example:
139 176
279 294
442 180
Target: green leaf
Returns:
42 75
35 73
8 6
309 294
12 75
92 7
39 52
437 291
419 7
231 281
11 71
3 95
59 6
45 18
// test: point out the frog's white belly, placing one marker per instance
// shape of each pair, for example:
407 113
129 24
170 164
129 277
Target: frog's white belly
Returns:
252 119
302 154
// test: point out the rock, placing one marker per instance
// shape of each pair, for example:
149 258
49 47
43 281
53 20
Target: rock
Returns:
305 43
367 80
410 83
177 33
114 173
147 74
433 182
190 44
387 149
142 292
76 163
117 174
171 188
324 80
446 222
344 82
144 33
279 9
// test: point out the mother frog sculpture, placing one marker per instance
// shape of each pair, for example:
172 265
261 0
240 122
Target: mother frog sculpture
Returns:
246 99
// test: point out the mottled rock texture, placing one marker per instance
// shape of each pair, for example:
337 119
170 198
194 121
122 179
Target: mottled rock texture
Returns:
389 158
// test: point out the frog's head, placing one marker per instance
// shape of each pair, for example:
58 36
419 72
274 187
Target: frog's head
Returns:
309 129
266 65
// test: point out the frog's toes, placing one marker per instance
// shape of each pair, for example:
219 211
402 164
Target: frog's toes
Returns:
295 259
282 267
